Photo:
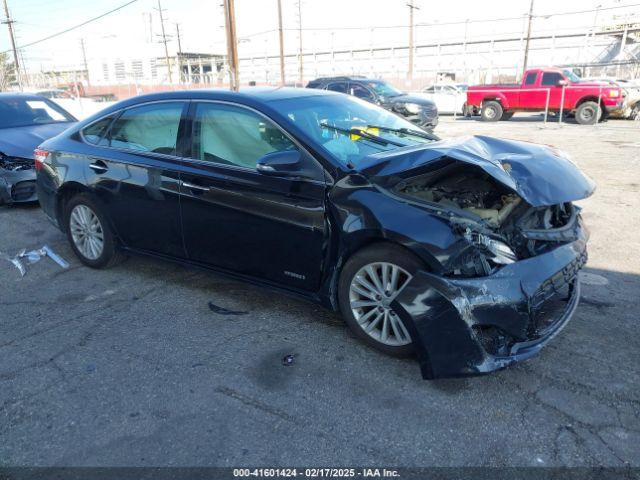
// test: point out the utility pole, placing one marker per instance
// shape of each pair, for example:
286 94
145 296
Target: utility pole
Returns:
16 64
280 31
412 7
526 45
164 40
84 60
179 53
232 44
300 68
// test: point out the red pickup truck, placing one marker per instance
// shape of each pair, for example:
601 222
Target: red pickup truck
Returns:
541 88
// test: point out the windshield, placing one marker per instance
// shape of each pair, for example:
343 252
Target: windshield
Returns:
383 89
22 112
330 119
572 76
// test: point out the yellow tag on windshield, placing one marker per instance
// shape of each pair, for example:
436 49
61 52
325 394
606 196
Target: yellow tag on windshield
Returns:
372 131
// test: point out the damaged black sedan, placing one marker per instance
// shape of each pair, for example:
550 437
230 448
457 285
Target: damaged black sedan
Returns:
25 122
465 252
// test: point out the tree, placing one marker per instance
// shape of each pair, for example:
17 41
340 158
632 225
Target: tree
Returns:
7 72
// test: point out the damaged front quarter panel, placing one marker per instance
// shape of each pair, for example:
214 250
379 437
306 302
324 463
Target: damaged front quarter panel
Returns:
511 282
471 326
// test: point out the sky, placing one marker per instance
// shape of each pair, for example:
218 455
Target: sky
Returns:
327 24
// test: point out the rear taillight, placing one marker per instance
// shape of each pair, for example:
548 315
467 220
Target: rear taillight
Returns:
40 156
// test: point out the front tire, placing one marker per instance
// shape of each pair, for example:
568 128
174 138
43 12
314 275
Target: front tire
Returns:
369 281
587 113
491 111
89 232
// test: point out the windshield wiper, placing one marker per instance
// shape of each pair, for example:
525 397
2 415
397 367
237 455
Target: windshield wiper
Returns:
407 131
363 134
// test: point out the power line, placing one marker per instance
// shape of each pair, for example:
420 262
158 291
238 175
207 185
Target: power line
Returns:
75 27
457 22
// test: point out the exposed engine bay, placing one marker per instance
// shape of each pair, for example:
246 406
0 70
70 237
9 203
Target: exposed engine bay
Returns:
474 192
15 164
500 214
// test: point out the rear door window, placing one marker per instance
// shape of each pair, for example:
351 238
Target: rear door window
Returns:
531 78
148 128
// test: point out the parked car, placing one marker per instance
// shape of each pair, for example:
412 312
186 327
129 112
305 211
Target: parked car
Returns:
79 107
25 122
464 251
416 109
447 97
566 92
631 107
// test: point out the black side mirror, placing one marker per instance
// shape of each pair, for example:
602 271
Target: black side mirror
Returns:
287 163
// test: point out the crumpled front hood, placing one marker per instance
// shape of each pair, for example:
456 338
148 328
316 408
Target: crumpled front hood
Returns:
541 175
22 141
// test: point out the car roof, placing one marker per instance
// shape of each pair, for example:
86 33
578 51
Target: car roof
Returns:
260 94
19 95
254 97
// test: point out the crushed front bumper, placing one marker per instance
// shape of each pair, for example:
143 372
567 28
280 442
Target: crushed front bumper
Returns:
470 326
17 186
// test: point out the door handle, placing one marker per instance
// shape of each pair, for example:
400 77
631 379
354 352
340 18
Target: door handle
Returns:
99 167
193 186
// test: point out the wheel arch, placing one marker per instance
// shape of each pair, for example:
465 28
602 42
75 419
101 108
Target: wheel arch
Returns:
69 190
65 193
501 99
590 98
359 241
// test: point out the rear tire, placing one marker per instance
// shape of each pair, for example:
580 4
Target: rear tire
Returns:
89 232
491 111
506 116
587 113
352 292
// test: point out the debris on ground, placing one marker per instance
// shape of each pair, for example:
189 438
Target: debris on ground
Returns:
287 360
224 311
24 258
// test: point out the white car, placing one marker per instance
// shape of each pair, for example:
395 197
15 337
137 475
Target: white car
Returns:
631 88
447 97
79 107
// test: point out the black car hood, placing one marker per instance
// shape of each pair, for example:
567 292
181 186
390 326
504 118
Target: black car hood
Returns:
407 98
22 141
541 175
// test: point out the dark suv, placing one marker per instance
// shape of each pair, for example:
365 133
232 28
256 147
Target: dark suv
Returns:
420 111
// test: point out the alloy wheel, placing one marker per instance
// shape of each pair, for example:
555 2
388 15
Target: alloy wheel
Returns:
86 232
371 292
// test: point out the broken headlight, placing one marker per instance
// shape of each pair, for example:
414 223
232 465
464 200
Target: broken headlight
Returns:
500 251
482 256
412 108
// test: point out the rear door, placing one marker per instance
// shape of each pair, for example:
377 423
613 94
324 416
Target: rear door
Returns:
240 220
531 96
134 169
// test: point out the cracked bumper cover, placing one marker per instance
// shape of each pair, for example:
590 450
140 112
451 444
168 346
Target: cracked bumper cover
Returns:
17 186
446 316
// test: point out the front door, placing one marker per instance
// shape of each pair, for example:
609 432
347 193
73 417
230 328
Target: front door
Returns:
238 219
